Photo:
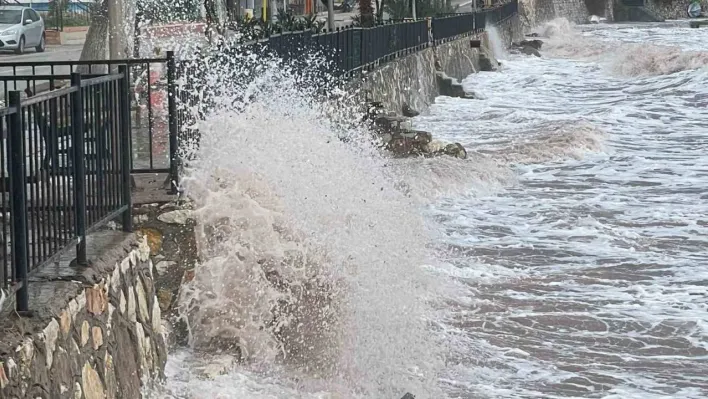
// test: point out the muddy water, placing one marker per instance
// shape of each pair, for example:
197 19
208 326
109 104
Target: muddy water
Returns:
588 276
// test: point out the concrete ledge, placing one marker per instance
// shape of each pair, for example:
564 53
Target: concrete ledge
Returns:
96 332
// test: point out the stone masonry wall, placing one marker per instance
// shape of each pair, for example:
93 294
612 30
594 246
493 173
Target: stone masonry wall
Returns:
96 332
572 10
412 80
409 80
537 12
673 9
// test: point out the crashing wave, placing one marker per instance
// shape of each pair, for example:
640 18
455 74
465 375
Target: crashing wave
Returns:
311 258
625 59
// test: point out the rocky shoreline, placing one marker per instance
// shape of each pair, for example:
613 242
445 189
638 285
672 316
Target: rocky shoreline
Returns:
396 134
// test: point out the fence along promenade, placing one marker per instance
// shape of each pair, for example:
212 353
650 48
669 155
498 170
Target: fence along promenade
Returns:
68 153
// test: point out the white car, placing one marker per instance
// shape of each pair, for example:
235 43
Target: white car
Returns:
21 28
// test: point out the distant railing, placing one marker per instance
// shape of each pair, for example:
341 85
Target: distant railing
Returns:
352 48
497 15
453 26
66 169
67 14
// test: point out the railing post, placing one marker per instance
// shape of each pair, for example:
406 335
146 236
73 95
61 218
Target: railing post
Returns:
79 167
18 200
125 135
172 119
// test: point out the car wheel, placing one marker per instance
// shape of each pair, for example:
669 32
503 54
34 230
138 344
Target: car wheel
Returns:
41 46
21 46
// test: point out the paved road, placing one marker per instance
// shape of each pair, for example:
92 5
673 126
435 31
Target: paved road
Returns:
53 53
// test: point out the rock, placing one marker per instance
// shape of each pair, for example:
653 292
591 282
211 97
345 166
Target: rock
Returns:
486 64
78 393
143 314
122 303
163 266
532 35
96 300
51 333
26 353
97 335
457 91
131 304
531 43
456 150
218 366
409 112
139 219
109 322
179 216
187 277
154 239
156 318
388 123
144 349
419 136
115 279
65 322
450 87
528 50
408 395
84 333
110 377
437 147
91 383
4 381
164 298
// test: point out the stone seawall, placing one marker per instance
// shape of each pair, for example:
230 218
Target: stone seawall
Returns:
95 332
536 12
413 80
673 9
409 80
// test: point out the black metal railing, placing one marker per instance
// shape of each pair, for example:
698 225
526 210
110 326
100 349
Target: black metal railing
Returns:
62 14
497 15
149 104
453 26
68 172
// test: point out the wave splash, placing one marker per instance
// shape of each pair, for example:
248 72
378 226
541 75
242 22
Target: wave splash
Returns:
621 58
552 141
311 256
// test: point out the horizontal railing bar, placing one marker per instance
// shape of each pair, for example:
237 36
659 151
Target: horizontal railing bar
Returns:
145 171
100 79
29 78
131 62
49 95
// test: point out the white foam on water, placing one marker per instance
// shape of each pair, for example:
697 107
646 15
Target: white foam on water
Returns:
312 259
631 51
587 277
497 43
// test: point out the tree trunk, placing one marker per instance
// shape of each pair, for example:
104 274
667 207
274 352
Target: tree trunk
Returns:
380 10
273 11
366 12
213 29
96 45
115 33
330 15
